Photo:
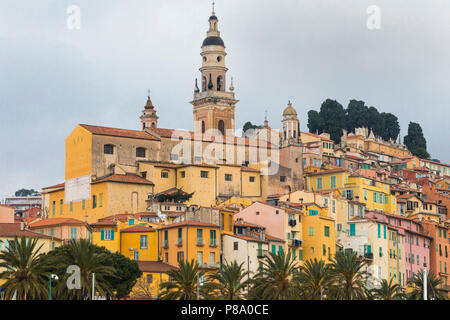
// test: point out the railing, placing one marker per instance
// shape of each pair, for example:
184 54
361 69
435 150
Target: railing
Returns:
296 243
179 242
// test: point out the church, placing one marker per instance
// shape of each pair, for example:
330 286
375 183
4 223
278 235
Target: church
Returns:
133 165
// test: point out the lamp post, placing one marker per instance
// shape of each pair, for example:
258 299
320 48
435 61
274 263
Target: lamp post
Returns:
93 286
54 276
425 285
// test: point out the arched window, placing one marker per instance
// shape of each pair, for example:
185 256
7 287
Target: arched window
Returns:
219 83
153 125
203 83
143 126
108 149
203 127
140 152
221 127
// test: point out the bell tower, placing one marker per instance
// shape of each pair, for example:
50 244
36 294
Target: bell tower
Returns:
213 104
149 119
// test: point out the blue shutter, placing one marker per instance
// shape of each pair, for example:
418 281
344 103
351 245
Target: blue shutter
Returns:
102 235
112 234
379 231
384 231
352 229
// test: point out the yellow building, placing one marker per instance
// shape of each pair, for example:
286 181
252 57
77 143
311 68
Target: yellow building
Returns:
374 194
189 240
107 196
318 233
153 274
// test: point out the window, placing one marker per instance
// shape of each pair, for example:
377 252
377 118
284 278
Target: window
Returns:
274 248
107 235
173 157
319 183
228 177
204 174
230 223
333 181
149 278
251 179
131 222
282 179
280 250
236 246
136 255
164 174
71 206
365 194
324 250
180 256
83 204
73 233
212 238
100 200
94 202
199 257
300 254
381 252
352 229
199 236
333 206
108 149
384 231
339 227
143 242
140 152
183 174
52 232
61 207
327 231
212 258
311 231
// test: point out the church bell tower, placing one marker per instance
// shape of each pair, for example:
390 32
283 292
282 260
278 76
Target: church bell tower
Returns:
213 104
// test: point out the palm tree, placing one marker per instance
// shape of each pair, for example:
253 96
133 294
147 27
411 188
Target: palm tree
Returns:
349 277
82 254
24 270
229 281
184 282
274 281
388 291
433 292
314 279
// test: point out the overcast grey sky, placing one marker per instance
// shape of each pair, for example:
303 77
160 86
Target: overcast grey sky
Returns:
53 78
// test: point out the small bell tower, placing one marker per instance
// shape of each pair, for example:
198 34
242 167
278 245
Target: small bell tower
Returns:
149 119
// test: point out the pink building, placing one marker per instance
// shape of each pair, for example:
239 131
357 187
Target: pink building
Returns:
6 214
417 243
65 229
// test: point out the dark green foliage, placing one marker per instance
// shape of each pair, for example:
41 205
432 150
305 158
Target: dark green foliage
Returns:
433 290
177 197
415 141
26 193
248 125
333 119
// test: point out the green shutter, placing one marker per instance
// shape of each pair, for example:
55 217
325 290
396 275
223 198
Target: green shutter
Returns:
112 234
384 231
102 235
352 229
300 254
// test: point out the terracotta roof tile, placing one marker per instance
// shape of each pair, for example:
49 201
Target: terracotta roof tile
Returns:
138 228
155 266
55 221
116 132
13 230
189 223
275 239
124 178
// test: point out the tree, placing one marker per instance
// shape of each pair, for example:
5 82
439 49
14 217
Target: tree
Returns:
355 115
391 128
24 274
388 291
332 117
274 281
415 140
229 281
433 282
314 279
349 277
86 256
314 122
26 193
420 152
178 196
143 289
183 283
248 125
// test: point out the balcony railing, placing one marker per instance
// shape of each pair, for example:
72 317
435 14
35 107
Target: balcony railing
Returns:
292 222
179 242
296 243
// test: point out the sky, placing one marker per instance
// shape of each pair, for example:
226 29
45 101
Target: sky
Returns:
53 77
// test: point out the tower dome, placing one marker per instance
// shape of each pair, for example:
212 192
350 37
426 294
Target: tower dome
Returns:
289 111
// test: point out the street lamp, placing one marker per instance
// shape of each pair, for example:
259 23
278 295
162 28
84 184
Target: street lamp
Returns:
52 276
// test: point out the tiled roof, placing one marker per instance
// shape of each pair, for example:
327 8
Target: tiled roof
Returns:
271 238
116 132
337 170
167 133
56 221
138 228
246 238
124 178
13 230
190 223
57 186
316 136
154 266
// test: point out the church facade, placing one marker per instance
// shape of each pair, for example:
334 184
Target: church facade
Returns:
210 161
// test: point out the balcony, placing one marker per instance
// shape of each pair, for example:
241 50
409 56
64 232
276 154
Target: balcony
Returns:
179 242
292 222
367 256
296 243
213 243
165 243
200 242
